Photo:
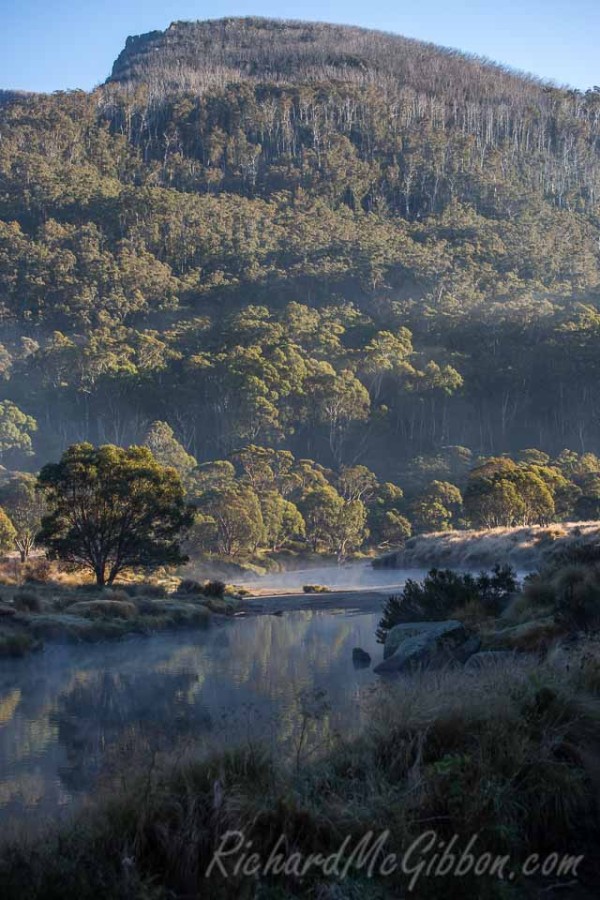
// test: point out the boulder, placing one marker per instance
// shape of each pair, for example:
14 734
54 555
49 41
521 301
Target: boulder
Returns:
487 659
361 658
418 645
400 633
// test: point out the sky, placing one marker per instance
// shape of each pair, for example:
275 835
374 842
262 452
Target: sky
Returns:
48 45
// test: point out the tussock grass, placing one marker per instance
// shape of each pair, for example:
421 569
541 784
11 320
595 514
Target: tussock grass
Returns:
27 601
15 643
86 613
523 548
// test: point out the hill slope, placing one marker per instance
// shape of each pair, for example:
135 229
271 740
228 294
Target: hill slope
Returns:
346 243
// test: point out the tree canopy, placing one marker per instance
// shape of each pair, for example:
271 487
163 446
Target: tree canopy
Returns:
111 508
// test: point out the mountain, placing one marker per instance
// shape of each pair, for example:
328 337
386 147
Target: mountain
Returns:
323 238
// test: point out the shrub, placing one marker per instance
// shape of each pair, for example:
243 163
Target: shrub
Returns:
189 586
587 668
152 590
496 590
113 609
9 572
578 553
214 589
577 591
538 591
16 643
220 606
315 589
444 592
38 571
144 590
89 588
27 601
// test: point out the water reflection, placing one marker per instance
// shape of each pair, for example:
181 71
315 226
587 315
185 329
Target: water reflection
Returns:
72 716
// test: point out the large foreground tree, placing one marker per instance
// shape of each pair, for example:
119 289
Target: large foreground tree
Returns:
112 508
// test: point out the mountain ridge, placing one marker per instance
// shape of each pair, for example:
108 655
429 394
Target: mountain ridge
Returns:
253 48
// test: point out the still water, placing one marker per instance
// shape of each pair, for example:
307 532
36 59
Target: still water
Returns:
75 718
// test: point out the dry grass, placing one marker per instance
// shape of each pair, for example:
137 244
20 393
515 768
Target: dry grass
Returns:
522 548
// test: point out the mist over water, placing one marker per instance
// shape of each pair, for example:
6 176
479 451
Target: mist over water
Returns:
75 720
349 576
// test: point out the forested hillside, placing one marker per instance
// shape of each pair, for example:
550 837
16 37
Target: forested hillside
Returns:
349 245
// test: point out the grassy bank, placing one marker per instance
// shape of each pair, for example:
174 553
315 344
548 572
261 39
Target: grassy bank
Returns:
31 614
523 548
512 755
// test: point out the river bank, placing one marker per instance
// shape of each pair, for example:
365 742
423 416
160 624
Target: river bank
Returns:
347 601
525 549
31 615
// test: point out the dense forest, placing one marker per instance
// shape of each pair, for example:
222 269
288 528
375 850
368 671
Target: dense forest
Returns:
343 245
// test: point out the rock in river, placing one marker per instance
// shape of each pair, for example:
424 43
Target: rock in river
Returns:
416 645
361 658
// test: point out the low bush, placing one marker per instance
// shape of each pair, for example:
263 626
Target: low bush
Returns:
27 601
114 608
443 593
143 589
315 589
214 589
89 588
577 591
15 643
38 571
190 586
220 605
117 594
157 591
570 592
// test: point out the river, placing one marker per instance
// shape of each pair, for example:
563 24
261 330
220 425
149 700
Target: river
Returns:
77 719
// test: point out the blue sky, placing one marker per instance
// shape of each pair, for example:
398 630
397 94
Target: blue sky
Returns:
50 45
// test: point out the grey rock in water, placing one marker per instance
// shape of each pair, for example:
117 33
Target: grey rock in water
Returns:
361 658
426 645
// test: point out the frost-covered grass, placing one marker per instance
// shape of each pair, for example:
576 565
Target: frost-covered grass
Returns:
523 548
